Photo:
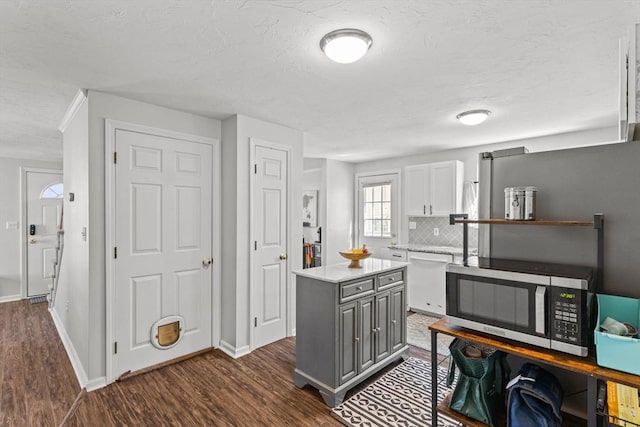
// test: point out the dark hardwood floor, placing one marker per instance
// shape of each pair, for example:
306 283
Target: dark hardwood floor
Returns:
37 382
39 385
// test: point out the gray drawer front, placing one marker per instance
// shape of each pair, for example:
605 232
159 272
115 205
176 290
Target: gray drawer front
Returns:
357 288
393 278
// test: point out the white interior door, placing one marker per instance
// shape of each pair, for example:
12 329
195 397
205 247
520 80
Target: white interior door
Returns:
163 223
44 209
270 246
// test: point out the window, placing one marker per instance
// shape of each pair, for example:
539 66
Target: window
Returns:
377 210
54 191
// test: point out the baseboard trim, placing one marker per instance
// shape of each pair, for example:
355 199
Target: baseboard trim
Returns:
96 383
232 351
10 298
71 351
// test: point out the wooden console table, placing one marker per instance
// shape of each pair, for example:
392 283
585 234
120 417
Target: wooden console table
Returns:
583 365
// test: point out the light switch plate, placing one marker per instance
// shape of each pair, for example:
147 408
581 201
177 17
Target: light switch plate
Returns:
412 225
12 225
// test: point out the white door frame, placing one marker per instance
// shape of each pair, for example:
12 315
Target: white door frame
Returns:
253 142
23 220
216 293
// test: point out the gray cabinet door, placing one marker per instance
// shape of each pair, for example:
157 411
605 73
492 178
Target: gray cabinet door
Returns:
347 341
382 336
398 319
366 319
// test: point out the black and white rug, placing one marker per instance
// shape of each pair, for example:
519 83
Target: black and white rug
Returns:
402 398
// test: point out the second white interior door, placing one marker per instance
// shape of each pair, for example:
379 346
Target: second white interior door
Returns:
270 186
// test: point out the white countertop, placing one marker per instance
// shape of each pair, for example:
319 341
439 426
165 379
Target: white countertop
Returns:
448 250
340 272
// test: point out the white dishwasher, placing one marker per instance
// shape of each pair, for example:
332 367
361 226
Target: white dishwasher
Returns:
427 282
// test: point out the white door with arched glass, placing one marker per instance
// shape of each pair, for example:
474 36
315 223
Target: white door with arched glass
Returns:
44 196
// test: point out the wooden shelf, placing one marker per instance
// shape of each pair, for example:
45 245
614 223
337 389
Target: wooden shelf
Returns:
582 365
443 408
565 223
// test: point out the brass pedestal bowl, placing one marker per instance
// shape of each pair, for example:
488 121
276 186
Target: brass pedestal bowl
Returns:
355 257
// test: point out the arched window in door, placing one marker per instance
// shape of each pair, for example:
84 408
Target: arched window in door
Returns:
53 191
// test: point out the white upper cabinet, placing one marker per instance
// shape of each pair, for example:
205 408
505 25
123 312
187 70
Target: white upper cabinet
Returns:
417 189
434 189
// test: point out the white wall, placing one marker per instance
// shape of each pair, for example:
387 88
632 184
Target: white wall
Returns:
338 211
236 134
229 226
72 295
469 156
85 284
10 211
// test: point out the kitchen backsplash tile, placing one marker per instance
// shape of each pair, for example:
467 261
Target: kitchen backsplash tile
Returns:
450 235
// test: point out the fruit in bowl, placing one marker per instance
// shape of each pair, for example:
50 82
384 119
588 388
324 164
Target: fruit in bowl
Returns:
355 255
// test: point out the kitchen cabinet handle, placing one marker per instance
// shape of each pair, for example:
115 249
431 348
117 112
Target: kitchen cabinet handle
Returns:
397 256
358 288
377 329
424 209
390 279
430 209
374 330
356 339
394 322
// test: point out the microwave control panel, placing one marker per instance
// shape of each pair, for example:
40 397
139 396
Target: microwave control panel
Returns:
565 315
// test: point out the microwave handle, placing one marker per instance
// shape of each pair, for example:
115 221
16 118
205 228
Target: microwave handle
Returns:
541 319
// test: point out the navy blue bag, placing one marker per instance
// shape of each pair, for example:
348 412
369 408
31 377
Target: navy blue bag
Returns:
534 399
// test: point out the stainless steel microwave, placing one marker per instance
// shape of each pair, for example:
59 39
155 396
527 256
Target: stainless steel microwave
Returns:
547 305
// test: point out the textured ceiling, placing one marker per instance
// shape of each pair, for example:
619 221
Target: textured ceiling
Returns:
542 67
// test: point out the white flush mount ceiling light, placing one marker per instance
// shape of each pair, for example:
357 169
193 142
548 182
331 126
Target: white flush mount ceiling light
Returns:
473 117
346 46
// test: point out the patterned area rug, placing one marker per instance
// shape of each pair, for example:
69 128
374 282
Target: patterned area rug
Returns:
419 335
400 398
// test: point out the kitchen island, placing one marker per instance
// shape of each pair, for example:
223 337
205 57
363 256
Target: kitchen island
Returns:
350 323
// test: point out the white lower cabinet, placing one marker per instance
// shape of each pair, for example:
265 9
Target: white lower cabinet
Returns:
391 253
426 281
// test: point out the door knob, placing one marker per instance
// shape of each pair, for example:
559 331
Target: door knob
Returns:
206 261
283 256
32 241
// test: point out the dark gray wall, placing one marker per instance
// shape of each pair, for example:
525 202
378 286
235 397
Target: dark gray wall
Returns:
574 184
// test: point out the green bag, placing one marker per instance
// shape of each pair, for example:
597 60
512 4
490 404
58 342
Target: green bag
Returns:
480 389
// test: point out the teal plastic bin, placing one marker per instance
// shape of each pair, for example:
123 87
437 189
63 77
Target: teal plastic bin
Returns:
613 351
